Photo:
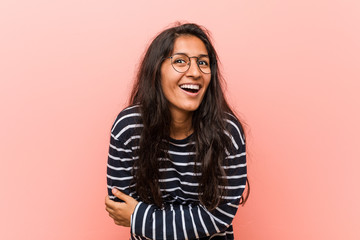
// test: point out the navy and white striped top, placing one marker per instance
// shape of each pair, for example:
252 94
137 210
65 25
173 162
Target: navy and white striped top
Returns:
183 217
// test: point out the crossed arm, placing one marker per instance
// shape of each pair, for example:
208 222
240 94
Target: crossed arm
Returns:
182 221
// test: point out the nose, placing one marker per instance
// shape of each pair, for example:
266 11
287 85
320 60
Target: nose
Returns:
193 70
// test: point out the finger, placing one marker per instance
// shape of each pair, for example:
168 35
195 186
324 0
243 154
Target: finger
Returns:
109 210
112 216
121 223
109 202
119 194
117 206
112 204
107 199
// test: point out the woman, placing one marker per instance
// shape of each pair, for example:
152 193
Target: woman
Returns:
176 165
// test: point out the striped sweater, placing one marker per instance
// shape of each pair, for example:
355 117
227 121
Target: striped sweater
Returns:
182 217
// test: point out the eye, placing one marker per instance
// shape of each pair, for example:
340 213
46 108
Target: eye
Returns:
203 62
179 60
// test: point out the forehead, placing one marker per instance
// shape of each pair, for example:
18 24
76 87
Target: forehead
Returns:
190 45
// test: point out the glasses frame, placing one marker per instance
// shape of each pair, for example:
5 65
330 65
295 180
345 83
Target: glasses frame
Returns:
197 62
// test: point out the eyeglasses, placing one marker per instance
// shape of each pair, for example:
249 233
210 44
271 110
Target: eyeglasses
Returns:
181 62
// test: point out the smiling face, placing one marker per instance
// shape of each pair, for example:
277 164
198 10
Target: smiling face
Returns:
185 91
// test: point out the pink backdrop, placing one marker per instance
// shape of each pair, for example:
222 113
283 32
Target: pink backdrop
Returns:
292 70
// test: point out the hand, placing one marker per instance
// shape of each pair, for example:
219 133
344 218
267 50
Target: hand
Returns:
120 211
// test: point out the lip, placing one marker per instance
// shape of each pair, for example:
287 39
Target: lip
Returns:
190 93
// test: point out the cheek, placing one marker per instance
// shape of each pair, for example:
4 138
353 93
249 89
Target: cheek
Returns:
164 75
207 82
169 80
167 86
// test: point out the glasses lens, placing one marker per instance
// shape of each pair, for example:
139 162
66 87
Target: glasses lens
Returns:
180 62
204 64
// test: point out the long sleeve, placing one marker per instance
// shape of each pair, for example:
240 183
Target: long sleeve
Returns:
187 221
183 217
119 168
124 138
193 220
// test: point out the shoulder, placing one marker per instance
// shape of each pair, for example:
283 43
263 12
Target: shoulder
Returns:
234 129
127 122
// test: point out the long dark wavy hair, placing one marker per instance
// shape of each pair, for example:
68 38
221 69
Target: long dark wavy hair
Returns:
207 122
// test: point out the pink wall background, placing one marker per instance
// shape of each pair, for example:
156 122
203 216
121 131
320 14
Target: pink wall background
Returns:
293 73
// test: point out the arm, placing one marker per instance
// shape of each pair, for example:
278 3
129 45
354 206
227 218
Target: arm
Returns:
185 221
194 220
119 166
176 221
119 177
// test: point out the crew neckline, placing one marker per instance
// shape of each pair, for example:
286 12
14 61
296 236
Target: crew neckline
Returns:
184 140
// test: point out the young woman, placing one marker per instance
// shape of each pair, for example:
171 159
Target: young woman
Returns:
177 163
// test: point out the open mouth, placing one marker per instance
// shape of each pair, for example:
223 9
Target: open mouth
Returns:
192 88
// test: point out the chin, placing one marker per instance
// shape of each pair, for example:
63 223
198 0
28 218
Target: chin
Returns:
185 107
191 108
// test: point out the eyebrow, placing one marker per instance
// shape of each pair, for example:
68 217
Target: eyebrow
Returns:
200 55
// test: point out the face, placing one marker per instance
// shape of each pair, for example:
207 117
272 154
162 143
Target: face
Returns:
185 91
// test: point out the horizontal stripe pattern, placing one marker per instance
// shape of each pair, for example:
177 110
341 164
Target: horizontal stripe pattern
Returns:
182 217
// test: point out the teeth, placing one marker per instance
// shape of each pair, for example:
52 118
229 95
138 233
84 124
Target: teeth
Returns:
190 86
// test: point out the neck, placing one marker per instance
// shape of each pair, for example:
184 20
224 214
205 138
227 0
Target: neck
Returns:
181 125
